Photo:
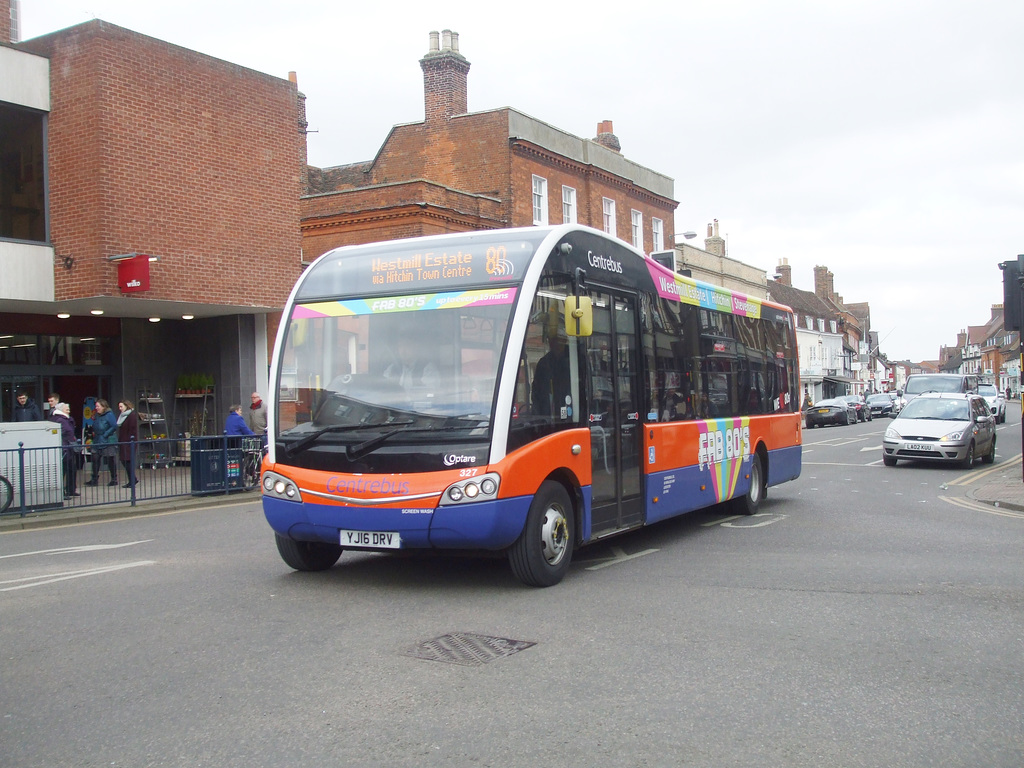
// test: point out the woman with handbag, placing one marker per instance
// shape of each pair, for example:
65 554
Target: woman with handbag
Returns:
61 414
128 437
104 427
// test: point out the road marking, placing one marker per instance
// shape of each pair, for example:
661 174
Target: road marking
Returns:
774 519
620 556
50 578
977 506
871 448
84 548
970 477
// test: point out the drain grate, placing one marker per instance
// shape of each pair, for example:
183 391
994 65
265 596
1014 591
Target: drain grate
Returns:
467 648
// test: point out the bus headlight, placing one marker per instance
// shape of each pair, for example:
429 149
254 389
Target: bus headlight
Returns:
280 486
481 488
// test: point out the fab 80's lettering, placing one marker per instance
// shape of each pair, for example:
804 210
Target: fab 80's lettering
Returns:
717 445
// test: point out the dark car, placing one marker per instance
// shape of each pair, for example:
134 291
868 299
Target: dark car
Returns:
880 404
833 410
863 412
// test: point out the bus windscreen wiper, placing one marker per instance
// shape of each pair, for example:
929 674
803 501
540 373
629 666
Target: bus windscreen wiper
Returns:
353 453
302 444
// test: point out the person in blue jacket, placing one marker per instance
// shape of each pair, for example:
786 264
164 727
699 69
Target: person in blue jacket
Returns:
235 423
104 442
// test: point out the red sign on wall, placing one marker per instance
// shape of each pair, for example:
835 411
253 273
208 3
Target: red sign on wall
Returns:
133 274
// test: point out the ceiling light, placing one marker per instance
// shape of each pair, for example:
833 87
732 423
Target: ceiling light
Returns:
95 311
154 319
187 317
63 315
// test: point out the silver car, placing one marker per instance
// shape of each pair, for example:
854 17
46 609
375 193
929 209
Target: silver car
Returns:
996 401
949 427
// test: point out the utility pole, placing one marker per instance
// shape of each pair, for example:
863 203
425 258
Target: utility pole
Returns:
1013 319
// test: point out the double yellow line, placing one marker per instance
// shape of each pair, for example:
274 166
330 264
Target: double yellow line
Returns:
970 478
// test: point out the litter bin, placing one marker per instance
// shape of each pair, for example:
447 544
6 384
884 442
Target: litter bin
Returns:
216 465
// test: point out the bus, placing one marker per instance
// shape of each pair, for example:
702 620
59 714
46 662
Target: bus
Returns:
519 391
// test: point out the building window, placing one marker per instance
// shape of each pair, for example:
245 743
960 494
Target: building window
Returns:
609 216
659 234
568 205
22 174
637 220
540 200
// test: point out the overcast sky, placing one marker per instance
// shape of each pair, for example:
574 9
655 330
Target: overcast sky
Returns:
884 140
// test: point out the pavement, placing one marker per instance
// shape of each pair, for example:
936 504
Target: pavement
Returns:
1000 485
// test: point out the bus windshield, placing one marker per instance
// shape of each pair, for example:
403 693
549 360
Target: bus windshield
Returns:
404 366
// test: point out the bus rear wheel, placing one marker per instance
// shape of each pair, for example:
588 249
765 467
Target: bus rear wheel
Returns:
307 555
749 502
541 555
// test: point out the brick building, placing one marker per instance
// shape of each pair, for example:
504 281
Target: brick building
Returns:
458 170
130 146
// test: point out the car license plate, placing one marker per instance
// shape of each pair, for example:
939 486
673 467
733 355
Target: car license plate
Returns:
372 539
823 410
919 446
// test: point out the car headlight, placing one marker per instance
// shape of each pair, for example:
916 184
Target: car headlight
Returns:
482 488
892 434
952 436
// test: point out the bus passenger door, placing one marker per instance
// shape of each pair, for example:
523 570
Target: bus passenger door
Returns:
616 426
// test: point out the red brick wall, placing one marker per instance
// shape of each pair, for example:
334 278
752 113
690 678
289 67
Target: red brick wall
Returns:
160 150
5 21
591 187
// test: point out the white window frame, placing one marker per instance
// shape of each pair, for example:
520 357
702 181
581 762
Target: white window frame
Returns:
636 219
658 231
569 205
608 212
540 200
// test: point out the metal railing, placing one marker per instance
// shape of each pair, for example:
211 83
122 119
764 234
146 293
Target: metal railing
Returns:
61 478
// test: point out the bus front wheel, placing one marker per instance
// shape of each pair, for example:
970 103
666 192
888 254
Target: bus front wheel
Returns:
541 555
307 555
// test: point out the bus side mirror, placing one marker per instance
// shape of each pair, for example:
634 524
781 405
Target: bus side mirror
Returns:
579 316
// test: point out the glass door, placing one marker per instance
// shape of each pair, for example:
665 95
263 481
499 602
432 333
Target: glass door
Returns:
614 407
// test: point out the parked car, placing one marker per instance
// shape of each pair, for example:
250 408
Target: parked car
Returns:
995 399
832 410
897 401
942 426
919 383
863 412
880 404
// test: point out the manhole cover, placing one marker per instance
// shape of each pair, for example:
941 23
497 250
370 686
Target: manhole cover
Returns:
466 648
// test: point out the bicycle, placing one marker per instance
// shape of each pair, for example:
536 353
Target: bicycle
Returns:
6 494
252 461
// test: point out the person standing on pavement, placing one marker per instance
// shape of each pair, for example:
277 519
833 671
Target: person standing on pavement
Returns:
128 437
235 423
26 408
61 414
257 414
104 427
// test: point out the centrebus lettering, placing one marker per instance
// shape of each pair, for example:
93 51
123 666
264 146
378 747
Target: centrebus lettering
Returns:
603 262
380 487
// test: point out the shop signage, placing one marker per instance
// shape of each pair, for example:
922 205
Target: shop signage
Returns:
133 274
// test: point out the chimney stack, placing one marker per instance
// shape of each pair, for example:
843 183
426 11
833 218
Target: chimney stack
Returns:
713 243
784 272
606 136
445 79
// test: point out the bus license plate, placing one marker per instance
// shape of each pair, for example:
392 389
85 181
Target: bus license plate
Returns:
374 539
